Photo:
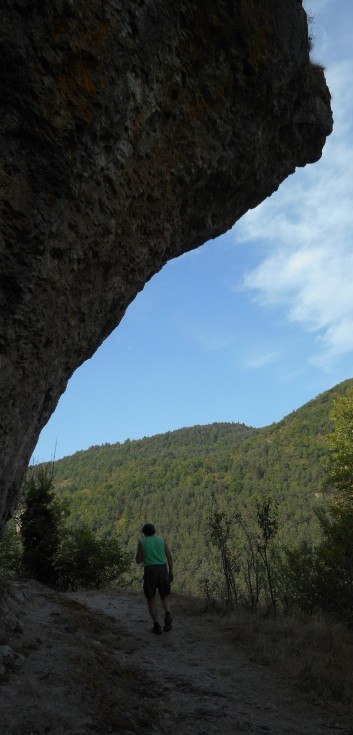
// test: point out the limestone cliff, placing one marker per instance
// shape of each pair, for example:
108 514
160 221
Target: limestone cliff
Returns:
130 132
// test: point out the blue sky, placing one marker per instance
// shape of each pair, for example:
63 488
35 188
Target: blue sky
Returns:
250 326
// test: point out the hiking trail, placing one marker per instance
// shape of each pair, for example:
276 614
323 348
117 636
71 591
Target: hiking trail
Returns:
87 663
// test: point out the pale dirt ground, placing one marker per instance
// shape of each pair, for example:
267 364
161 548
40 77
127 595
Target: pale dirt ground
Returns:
87 663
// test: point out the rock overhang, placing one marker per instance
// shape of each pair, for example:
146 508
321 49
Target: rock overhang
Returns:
131 133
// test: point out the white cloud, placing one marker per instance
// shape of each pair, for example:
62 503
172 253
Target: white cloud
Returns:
307 230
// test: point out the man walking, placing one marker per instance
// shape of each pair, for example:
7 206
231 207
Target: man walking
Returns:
154 552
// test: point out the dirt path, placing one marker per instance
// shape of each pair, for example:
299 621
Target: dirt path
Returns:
87 663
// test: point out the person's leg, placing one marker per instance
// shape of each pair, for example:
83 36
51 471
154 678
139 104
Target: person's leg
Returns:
164 593
152 606
166 603
163 586
168 620
150 588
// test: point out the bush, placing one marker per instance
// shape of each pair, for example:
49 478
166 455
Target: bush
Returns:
297 574
40 523
59 557
11 551
320 579
82 560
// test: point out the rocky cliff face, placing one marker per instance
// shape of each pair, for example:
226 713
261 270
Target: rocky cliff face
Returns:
131 132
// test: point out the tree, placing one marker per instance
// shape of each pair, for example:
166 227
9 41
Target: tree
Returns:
40 524
340 441
321 578
11 550
267 519
220 537
60 557
250 561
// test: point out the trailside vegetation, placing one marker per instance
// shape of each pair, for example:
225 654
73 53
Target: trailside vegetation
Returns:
314 576
249 556
61 557
40 522
319 577
235 503
171 479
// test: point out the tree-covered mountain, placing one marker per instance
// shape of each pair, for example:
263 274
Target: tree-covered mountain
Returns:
175 479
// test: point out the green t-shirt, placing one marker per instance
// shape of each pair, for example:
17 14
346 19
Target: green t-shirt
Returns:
153 550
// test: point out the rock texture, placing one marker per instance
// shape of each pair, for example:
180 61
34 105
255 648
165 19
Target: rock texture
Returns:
130 132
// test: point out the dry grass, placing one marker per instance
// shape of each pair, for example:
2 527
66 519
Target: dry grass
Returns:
313 654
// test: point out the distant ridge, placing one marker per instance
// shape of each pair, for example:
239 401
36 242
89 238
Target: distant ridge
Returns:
191 436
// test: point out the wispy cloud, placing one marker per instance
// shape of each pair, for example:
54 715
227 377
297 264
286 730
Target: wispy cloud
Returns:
208 335
260 360
307 230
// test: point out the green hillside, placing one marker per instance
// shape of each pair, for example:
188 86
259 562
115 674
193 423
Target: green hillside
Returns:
169 480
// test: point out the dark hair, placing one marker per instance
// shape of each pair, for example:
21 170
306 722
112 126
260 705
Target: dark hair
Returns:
148 529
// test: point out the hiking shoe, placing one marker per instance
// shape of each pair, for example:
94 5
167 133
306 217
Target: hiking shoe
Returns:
157 629
168 622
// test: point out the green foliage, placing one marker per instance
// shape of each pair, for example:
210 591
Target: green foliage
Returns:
220 536
40 525
83 560
298 575
320 577
250 581
340 474
246 544
267 520
61 557
334 559
11 551
171 479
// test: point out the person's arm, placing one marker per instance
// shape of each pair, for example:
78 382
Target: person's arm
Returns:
168 554
139 555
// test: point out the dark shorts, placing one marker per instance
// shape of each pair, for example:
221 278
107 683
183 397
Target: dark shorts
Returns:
155 578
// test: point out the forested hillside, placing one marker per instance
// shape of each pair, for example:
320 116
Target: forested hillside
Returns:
175 479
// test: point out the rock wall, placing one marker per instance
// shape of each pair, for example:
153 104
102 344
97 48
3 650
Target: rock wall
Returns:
131 132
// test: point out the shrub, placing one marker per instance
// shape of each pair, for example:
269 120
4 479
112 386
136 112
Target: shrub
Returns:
11 551
40 523
82 560
59 557
320 579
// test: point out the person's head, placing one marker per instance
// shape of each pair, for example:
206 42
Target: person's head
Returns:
148 529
